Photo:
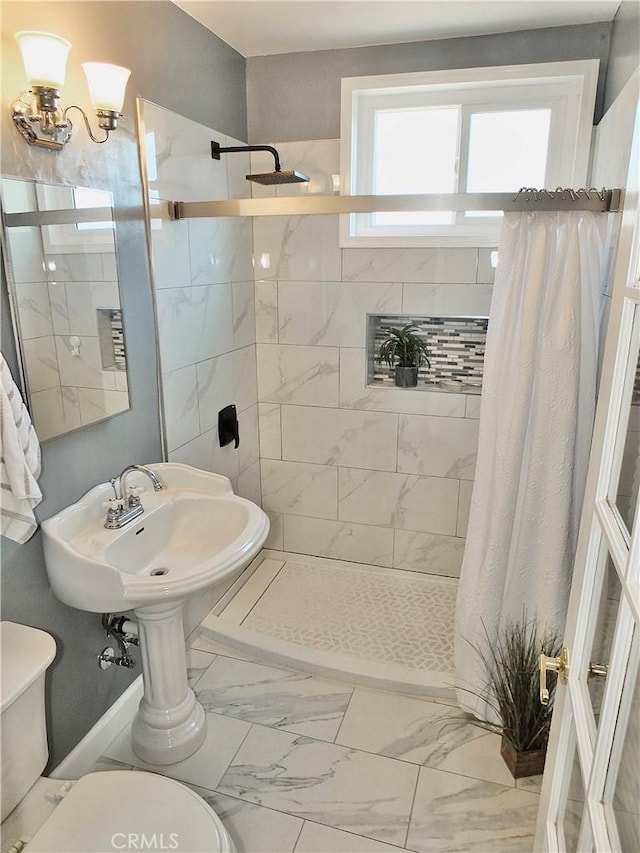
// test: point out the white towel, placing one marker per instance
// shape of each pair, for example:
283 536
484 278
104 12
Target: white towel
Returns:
19 462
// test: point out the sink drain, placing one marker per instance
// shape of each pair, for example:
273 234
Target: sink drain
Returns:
157 572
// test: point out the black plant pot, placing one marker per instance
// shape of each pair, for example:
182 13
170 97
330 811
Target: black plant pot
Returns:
406 377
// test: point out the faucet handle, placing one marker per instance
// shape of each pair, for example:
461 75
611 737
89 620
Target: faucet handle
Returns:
133 495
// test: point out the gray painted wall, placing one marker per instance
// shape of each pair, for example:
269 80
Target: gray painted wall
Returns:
625 50
296 96
167 51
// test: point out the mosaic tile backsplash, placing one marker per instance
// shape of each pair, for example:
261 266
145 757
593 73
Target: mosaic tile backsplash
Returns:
456 347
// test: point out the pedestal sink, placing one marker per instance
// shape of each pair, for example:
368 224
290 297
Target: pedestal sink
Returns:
193 533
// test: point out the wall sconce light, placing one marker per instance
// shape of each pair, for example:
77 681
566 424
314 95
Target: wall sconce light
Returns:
38 116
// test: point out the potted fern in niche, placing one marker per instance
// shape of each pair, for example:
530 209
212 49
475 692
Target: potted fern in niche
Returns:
404 349
512 691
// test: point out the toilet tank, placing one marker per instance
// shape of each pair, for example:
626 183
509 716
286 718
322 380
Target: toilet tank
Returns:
25 654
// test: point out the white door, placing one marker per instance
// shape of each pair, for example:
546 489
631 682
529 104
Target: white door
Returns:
590 799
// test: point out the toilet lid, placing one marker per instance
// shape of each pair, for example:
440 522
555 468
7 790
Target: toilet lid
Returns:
131 810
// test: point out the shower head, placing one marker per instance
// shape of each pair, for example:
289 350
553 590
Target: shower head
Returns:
269 179
265 178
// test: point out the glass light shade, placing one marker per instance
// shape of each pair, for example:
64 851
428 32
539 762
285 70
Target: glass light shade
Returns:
44 56
107 84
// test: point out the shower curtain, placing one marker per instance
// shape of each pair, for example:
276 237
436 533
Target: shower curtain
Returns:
537 411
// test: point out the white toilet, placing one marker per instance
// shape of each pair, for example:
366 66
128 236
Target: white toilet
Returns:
101 812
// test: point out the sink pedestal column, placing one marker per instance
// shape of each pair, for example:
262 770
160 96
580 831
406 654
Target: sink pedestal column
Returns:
170 724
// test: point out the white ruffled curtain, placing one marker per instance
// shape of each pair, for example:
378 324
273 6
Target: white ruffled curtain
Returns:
538 402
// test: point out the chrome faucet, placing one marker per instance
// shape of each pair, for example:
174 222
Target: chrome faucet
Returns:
125 505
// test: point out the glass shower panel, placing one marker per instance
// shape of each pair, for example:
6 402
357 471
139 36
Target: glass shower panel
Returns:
604 618
575 812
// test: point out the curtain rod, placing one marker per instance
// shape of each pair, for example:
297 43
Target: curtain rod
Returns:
527 198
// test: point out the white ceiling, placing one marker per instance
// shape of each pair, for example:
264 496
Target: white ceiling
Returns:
263 27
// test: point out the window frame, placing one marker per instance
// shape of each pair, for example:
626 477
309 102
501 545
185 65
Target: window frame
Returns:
569 88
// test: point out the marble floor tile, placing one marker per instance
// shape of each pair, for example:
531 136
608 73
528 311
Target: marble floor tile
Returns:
197 664
293 701
423 733
454 814
344 788
205 767
316 838
254 829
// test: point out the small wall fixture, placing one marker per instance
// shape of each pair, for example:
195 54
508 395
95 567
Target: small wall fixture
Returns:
37 114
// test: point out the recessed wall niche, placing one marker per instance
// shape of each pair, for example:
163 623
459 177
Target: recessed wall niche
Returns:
456 350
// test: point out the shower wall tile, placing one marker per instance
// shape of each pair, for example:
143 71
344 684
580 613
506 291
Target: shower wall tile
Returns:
194 323
473 406
486 270
426 552
298 374
220 250
444 266
318 159
97 403
339 437
182 420
83 301
442 300
247 485
340 540
464 503
55 410
441 447
355 394
27 255
85 368
266 295
270 430
59 308
226 379
34 310
170 250
404 502
297 248
72 267
205 452
244 313
300 489
333 313
249 447
275 539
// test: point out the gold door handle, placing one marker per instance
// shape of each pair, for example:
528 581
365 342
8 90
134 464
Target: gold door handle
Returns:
559 665
597 669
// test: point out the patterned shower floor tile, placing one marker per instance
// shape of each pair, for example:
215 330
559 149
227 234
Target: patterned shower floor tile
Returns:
388 616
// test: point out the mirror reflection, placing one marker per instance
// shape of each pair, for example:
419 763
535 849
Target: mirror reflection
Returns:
61 266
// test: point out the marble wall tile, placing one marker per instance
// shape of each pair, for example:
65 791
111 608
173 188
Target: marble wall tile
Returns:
76 267
486 269
41 363
220 250
473 406
292 701
332 313
297 248
445 266
59 307
194 323
266 295
226 379
354 394
83 301
253 827
298 374
464 503
458 300
34 310
442 447
350 790
402 501
299 489
249 448
453 812
205 452
318 159
270 430
340 540
53 413
27 257
275 539
248 485
97 403
238 166
339 437
180 391
428 552
170 250
244 314
84 369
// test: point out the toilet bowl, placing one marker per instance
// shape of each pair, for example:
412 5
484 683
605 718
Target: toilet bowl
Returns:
102 812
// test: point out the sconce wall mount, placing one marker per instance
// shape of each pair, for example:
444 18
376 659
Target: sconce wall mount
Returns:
37 114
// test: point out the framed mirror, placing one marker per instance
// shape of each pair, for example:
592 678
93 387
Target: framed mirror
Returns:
62 273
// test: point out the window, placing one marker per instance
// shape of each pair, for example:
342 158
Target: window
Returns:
474 130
